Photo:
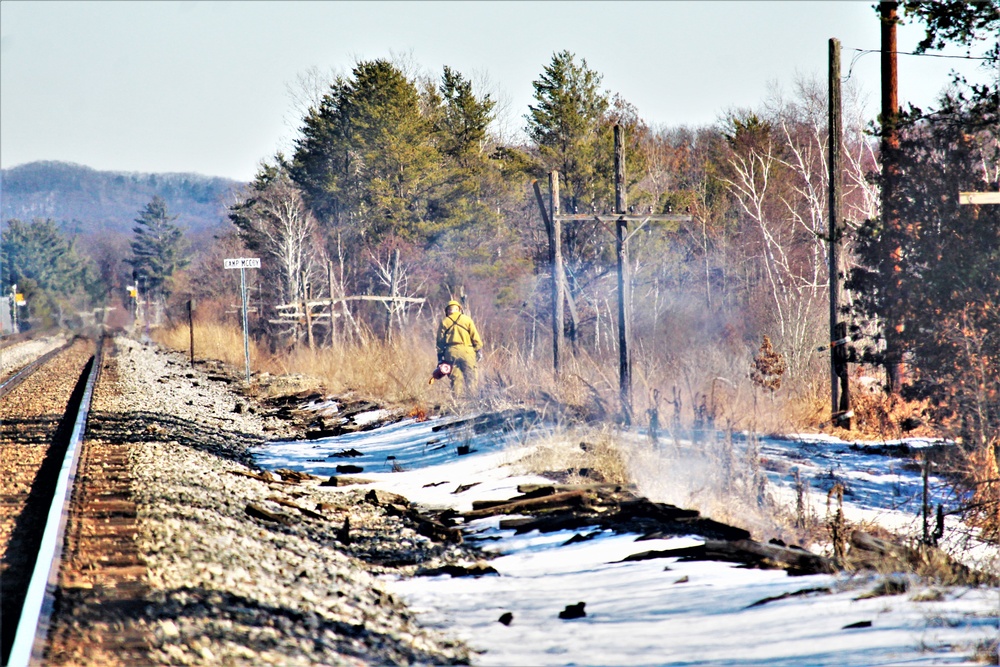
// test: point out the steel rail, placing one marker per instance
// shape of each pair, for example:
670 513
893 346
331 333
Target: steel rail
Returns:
20 376
9 340
36 614
13 339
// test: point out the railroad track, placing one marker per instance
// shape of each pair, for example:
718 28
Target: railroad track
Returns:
9 383
67 527
13 339
24 350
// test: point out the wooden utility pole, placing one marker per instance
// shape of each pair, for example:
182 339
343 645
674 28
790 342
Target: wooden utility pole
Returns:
624 283
555 252
329 280
191 328
839 405
309 318
553 220
393 289
890 172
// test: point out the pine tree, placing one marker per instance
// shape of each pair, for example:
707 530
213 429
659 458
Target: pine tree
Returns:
566 124
366 159
935 273
158 248
463 120
47 269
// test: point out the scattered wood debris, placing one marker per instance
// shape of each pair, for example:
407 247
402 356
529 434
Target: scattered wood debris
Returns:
261 476
553 507
344 534
506 420
455 570
573 611
387 498
294 476
293 505
345 481
434 527
345 453
748 553
522 504
260 512
819 590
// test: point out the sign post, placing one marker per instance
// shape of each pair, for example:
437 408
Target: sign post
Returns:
244 263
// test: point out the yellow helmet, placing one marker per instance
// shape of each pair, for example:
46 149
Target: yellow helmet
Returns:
453 303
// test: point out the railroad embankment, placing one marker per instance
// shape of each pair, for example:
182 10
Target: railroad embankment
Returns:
240 567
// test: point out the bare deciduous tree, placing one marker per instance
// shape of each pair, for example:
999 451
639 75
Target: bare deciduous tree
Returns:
273 219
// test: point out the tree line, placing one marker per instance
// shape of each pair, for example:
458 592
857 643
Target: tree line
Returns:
389 161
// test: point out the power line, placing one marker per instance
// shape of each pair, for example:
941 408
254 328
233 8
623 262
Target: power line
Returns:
863 52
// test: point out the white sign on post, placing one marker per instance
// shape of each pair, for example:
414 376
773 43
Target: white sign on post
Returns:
243 263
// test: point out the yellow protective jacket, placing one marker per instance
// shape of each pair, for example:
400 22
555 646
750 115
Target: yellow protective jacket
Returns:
458 330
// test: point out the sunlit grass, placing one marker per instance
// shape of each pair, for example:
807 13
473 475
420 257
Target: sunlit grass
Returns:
212 340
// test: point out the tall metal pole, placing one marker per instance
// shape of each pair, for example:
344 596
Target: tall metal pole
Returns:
834 169
555 245
246 334
624 282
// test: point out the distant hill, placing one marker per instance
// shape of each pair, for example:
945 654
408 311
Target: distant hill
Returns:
85 200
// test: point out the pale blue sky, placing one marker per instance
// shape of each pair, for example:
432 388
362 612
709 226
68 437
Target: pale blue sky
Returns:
204 86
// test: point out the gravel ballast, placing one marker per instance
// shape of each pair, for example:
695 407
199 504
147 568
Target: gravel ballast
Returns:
247 571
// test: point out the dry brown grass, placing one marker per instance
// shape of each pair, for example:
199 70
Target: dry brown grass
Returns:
212 340
877 414
984 477
582 454
389 372
587 389
988 652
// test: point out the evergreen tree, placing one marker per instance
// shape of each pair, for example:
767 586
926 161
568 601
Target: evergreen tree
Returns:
469 177
158 248
463 120
566 125
957 21
47 269
938 271
366 159
934 272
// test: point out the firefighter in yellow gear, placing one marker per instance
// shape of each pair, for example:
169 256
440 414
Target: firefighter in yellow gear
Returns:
459 344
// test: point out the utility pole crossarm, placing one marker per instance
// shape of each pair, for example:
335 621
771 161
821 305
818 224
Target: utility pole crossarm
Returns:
582 217
605 220
978 198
